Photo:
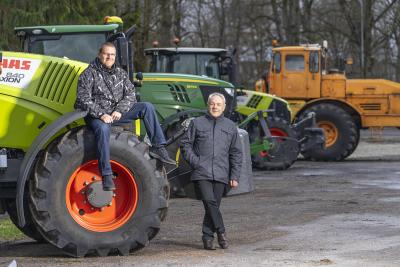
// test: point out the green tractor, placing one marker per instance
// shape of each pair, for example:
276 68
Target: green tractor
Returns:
49 180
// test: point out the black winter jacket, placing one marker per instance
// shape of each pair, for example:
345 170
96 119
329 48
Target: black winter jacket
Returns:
102 90
212 148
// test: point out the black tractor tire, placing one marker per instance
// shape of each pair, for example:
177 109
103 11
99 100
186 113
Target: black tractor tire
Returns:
30 228
278 127
49 200
341 141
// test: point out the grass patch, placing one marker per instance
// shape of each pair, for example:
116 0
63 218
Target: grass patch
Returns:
8 231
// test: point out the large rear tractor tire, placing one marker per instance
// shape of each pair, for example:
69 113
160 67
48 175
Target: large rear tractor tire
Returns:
72 211
341 133
29 229
287 154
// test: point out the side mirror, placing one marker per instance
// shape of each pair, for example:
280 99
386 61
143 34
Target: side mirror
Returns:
123 54
226 66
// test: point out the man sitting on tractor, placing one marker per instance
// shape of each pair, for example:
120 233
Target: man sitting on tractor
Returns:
105 91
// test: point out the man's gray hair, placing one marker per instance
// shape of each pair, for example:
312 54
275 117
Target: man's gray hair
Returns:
216 94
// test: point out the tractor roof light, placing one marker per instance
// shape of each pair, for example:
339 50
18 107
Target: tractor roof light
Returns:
155 44
112 20
274 42
176 41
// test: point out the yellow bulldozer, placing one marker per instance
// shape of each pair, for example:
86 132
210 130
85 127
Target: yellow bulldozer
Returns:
343 106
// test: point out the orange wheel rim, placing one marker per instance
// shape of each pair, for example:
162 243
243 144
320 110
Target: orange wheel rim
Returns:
278 132
110 217
330 131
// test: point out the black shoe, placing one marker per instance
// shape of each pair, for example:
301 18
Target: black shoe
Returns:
222 240
208 244
161 154
108 183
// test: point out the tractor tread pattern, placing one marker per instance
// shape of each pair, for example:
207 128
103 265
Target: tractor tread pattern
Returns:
346 144
39 189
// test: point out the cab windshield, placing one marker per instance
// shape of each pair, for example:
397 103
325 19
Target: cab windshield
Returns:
196 64
81 47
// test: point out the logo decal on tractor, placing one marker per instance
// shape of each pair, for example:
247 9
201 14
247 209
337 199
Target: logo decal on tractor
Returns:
18 72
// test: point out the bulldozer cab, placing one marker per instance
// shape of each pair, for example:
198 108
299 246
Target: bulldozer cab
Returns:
296 71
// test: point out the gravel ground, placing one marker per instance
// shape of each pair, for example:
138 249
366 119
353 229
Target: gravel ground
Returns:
314 214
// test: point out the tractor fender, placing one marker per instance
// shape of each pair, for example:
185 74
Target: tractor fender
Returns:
351 109
33 151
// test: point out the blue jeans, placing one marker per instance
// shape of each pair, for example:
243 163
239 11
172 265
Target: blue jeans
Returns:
102 132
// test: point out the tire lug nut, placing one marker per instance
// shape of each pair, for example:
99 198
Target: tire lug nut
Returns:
83 192
91 208
94 178
85 183
84 202
109 204
101 209
114 195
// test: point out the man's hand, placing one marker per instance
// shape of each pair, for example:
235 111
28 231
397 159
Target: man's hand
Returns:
106 118
233 183
116 115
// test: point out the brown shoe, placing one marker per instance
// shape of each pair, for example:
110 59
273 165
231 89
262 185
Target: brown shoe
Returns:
222 240
208 244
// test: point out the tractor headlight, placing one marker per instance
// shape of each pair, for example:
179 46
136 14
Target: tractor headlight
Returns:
230 91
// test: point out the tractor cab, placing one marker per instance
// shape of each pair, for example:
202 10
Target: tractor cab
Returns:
211 62
79 42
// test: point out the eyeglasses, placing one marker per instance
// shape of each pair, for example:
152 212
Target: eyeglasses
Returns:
108 54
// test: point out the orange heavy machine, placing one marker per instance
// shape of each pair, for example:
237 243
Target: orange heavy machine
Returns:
342 106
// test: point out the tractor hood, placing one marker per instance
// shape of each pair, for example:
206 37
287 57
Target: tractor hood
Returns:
372 86
185 78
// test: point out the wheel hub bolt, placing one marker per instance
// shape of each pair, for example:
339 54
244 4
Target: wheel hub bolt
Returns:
91 208
101 209
94 178
85 183
114 195
109 204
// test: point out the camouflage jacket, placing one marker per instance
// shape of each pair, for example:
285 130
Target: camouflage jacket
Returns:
102 90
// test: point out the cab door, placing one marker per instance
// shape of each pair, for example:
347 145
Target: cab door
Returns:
294 79
275 75
313 87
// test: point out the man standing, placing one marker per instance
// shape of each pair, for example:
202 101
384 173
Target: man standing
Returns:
212 148
105 91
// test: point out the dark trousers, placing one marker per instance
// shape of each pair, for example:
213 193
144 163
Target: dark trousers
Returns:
211 193
141 110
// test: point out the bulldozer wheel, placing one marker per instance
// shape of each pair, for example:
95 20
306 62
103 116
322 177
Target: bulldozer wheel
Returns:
341 133
78 222
278 127
30 228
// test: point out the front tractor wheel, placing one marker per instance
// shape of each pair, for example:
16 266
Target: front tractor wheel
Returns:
286 147
72 211
341 133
